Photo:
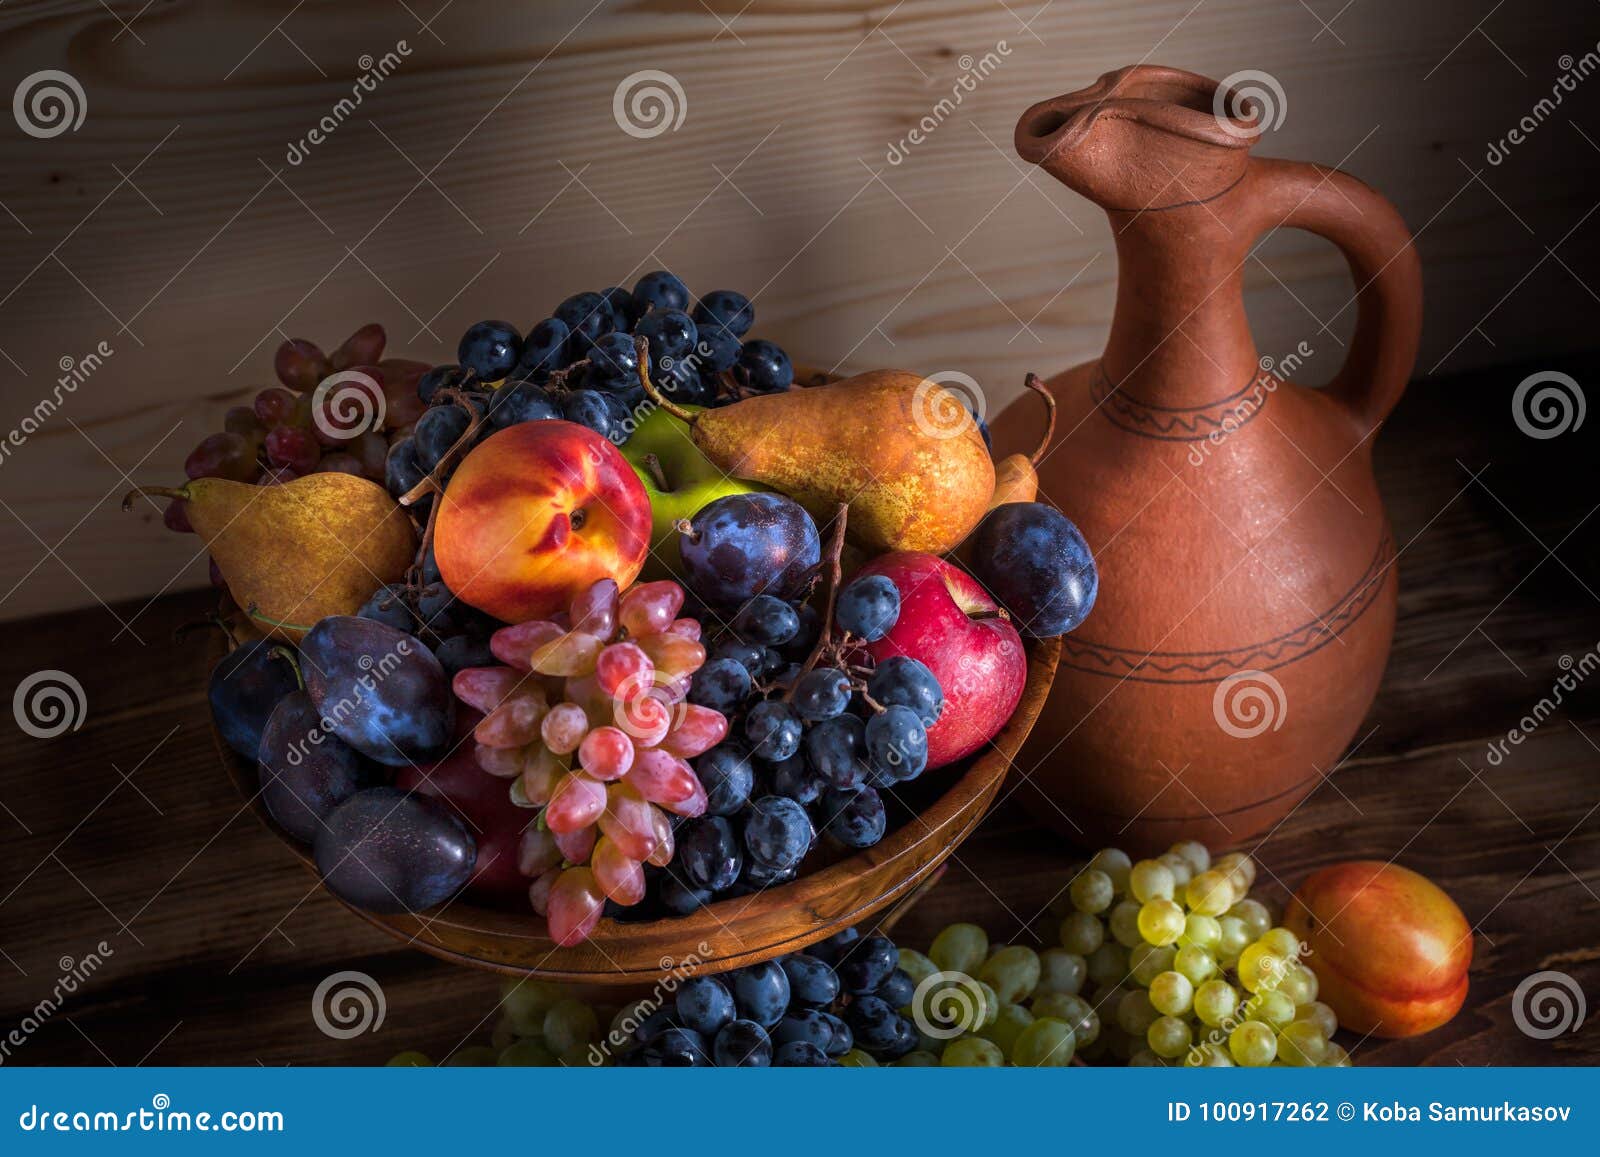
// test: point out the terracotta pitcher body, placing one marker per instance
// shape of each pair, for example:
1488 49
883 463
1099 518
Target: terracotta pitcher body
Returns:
1247 579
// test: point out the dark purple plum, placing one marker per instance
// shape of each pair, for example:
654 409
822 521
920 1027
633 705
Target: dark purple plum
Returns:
1036 564
387 850
381 690
305 771
743 545
246 687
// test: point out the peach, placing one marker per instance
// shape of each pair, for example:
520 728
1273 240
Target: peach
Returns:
537 513
1389 948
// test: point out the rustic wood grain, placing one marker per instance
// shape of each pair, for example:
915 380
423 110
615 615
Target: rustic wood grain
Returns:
219 938
778 181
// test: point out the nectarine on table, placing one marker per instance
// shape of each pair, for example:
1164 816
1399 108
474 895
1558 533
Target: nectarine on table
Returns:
1389 948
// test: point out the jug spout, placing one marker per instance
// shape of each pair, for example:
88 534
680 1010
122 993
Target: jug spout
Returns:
1144 138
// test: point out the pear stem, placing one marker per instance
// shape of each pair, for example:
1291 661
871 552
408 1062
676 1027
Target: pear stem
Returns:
255 613
652 464
1033 383
835 572
641 346
152 492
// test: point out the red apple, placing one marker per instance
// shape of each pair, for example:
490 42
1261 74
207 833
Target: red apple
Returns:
535 515
949 623
483 803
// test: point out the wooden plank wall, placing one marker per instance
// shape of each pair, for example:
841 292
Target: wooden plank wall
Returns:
487 176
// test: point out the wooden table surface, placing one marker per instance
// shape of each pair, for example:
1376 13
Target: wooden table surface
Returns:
126 832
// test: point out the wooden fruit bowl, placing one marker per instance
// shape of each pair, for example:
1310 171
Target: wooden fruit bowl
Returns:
735 932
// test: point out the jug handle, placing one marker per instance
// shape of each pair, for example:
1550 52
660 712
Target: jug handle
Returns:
1383 260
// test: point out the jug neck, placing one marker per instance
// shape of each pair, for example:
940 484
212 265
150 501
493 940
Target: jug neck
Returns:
1179 337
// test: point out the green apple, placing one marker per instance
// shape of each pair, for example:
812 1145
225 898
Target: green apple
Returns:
679 480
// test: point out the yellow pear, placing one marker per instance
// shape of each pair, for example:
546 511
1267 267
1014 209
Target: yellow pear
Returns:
298 552
902 451
1016 477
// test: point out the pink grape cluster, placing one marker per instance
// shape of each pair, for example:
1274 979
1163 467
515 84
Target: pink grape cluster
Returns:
589 720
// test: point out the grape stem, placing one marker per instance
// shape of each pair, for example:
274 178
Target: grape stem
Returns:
414 579
431 484
1033 383
835 573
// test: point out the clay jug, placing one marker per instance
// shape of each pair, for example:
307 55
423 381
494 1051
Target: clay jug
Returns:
1247 577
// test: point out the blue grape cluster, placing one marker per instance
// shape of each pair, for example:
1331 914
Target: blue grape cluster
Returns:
814 739
839 1003
582 362
457 634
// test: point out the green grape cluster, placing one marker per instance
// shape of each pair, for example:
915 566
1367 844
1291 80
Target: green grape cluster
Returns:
1186 968
999 1004
540 1025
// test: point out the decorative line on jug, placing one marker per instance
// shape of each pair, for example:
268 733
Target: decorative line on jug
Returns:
1198 423
1188 204
1213 666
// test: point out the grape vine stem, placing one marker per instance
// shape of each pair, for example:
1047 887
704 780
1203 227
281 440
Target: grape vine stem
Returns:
835 563
431 483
